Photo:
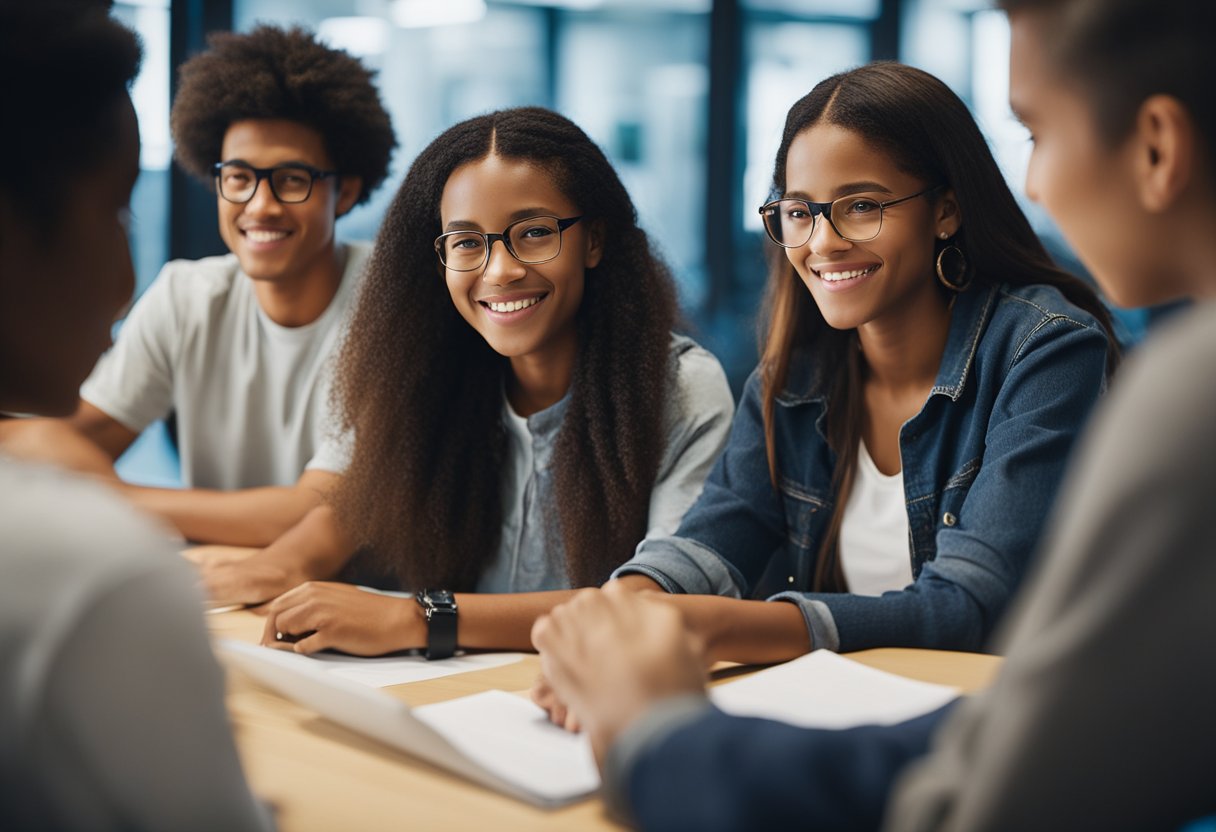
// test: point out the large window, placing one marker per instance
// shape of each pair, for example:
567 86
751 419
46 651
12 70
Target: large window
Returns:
150 94
633 75
151 460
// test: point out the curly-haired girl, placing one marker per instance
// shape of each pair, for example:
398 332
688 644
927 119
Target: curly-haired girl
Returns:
522 415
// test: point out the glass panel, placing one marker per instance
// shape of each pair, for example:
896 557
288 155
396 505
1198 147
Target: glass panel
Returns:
150 94
785 60
638 84
859 9
430 76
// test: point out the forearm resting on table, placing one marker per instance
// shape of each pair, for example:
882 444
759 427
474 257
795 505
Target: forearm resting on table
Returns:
249 517
750 632
314 549
504 622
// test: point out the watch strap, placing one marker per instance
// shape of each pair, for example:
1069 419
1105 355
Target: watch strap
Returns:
439 610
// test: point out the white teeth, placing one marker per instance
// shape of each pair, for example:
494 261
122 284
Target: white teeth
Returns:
832 277
259 236
514 305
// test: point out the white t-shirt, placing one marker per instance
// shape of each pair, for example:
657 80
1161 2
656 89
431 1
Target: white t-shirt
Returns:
875 552
111 704
251 396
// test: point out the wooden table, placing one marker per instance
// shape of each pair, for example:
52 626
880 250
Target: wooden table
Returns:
320 776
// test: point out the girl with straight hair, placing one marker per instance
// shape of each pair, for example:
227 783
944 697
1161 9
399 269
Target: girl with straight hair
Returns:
925 371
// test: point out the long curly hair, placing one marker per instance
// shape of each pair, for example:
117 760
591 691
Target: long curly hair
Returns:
929 133
273 73
422 390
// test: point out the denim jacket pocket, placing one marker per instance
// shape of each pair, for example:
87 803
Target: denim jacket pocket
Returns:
792 567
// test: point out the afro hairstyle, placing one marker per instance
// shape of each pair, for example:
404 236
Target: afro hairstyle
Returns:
274 73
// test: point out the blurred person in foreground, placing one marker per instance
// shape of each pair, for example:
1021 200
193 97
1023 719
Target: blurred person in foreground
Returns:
111 705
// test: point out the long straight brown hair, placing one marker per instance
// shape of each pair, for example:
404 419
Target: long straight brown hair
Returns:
928 132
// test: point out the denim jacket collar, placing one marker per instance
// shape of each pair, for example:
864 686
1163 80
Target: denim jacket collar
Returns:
807 380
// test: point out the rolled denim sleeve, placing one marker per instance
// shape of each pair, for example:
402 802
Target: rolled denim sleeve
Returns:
1056 376
726 538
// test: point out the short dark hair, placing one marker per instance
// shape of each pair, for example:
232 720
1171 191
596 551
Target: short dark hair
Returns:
66 64
274 73
1123 51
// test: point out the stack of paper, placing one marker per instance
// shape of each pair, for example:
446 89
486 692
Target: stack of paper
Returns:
505 742
493 738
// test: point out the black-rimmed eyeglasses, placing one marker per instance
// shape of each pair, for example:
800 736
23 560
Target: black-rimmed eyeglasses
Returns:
531 241
238 182
856 218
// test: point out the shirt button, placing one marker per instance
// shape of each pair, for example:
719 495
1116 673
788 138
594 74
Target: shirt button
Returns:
791 578
949 519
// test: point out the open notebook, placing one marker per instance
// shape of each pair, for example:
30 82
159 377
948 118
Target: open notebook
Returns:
505 742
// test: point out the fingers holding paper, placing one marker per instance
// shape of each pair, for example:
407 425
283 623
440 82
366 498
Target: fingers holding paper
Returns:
543 695
610 654
320 615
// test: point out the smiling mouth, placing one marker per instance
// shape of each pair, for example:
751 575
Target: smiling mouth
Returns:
851 274
263 236
513 305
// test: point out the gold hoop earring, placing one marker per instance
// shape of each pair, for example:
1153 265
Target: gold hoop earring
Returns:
952 269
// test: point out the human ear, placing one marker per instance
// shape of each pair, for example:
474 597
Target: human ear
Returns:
595 245
1163 148
948 217
348 193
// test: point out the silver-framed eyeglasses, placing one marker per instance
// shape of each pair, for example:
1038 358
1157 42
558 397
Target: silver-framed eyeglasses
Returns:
857 218
532 240
238 182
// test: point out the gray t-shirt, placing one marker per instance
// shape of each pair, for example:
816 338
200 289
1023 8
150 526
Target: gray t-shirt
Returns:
251 396
697 422
111 704
1104 714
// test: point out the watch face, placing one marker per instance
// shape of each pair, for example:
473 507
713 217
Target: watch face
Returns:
442 598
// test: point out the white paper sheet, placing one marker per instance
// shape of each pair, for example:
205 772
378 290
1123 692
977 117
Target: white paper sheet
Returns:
513 738
824 690
494 738
383 671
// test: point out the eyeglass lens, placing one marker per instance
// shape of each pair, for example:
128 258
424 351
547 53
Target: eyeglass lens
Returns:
790 221
533 240
238 183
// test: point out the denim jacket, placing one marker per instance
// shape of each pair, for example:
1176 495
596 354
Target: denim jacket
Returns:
982 462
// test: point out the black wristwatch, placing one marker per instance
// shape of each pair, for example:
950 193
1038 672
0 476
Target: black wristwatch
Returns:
439 608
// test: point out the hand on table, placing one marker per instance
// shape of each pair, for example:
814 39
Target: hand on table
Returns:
609 654
237 575
319 615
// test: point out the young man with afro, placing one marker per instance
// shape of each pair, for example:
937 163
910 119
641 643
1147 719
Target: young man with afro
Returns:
292 135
